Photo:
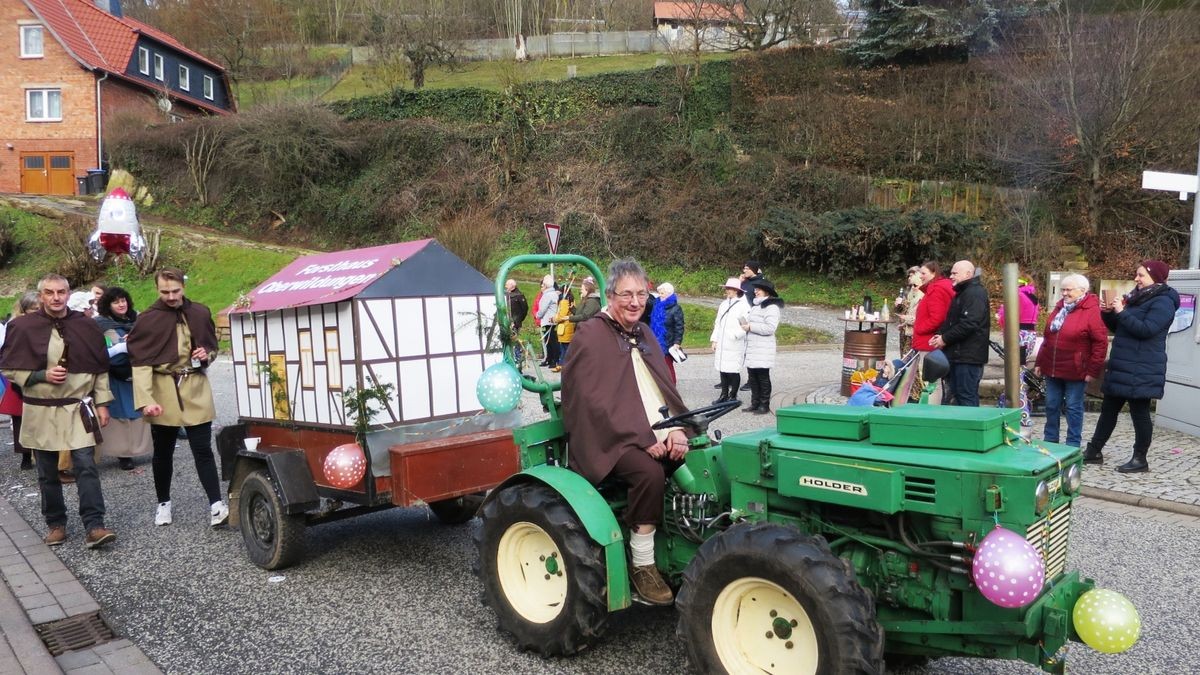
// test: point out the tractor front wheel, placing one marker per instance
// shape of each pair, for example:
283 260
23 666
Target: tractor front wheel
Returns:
765 598
541 572
274 539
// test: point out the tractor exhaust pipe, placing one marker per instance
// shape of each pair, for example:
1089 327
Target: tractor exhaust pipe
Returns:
1012 346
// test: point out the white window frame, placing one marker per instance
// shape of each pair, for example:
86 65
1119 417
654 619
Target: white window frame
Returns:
143 60
333 360
159 72
25 51
208 87
185 78
45 96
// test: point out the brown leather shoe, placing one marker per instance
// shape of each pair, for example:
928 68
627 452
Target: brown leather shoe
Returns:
66 477
56 536
99 536
650 585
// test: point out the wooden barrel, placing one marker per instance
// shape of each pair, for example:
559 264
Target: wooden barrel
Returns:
862 349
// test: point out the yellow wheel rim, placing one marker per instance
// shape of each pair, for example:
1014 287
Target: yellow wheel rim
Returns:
758 627
531 572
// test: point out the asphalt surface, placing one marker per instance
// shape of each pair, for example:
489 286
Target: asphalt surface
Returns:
393 591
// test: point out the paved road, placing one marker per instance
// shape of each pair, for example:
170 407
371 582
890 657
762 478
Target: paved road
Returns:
393 591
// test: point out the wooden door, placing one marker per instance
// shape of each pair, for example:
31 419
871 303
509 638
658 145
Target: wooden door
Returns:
279 387
62 173
35 174
48 173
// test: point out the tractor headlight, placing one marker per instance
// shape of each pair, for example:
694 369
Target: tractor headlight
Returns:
1041 497
1072 478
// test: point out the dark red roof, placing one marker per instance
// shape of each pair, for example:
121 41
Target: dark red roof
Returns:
101 41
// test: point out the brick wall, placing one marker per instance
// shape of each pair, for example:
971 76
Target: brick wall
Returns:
56 69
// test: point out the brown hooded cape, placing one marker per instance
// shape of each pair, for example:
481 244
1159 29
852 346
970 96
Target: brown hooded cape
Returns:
29 336
152 340
602 408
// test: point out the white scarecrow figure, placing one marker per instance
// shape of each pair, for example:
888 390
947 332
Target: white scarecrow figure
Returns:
117 229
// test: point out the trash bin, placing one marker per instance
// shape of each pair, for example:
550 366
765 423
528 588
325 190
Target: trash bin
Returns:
81 186
97 180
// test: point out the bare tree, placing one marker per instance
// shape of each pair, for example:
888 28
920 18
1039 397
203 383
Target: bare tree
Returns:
1090 87
410 36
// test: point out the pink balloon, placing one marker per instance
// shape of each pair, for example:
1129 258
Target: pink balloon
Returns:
1008 570
345 466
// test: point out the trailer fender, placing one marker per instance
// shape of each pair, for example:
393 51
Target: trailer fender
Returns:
597 518
289 473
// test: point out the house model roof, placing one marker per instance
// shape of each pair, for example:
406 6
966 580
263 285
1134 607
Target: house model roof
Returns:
702 11
422 268
100 41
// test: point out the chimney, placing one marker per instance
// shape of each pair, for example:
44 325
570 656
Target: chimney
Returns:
111 6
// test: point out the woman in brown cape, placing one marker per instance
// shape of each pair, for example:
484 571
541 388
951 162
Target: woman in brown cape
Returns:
613 387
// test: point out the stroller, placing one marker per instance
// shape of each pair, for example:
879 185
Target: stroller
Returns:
895 385
1033 386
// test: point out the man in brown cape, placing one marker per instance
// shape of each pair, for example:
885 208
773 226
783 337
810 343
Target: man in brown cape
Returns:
170 347
613 386
59 359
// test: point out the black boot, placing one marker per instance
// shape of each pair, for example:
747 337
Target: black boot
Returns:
1092 456
754 401
764 396
1136 464
26 460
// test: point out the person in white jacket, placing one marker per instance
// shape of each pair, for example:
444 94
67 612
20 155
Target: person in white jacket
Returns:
729 340
545 312
761 323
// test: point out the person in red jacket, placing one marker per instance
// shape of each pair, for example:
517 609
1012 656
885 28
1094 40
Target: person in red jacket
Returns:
935 303
1071 356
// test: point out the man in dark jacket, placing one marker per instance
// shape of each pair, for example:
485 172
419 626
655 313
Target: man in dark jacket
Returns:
518 309
752 271
964 335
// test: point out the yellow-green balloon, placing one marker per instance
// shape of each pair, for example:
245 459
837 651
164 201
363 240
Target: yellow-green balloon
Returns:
1106 621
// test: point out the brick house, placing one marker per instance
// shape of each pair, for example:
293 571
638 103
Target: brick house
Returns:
67 67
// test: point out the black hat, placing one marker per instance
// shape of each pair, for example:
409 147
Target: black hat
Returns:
766 286
754 265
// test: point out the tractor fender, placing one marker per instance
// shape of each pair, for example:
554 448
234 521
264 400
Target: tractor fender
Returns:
597 518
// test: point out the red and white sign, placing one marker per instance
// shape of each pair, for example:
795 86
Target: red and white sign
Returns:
552 231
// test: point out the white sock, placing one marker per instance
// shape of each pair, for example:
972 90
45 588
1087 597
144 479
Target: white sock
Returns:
642 546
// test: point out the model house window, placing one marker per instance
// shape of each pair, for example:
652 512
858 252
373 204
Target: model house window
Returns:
306 360
185 79
31 42
333 359
158 67
250 346
43 105
143 60
208 87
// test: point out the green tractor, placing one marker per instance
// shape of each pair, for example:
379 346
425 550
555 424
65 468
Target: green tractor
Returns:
838 537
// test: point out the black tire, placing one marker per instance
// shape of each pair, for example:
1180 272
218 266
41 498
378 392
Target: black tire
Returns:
552 608
274 539
757 580
458 510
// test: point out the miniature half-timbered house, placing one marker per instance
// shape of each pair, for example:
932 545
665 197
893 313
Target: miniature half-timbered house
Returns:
412 315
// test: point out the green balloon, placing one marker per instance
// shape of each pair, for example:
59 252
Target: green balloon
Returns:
499 388
1106 621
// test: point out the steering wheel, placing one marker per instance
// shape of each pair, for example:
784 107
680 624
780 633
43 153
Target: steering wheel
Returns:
698 419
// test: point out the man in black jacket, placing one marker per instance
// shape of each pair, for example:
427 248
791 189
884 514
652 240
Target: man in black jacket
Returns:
518 309
964 335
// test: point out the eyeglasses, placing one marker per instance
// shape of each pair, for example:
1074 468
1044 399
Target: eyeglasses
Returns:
1069 290
630 295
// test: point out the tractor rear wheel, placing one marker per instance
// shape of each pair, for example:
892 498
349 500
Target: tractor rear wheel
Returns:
541 572
273 538
765 598
458 510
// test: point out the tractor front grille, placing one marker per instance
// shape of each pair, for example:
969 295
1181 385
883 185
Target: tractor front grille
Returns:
1049 536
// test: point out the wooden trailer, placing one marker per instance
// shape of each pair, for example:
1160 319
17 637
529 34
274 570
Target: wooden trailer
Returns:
411 318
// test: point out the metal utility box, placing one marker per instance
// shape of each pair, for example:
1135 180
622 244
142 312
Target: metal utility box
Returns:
1181 396
846 423
945 427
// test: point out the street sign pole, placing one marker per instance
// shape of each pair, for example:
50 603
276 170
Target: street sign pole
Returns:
1183 184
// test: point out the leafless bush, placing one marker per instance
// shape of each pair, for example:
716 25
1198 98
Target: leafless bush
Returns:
470 234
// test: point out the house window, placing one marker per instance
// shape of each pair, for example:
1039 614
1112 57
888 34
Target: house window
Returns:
158 67
43 105
143 60
31 42
306 360
208 87
250 346
185 79
333 359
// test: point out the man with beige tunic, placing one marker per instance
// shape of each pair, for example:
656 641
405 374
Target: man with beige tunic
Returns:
170 347
58 356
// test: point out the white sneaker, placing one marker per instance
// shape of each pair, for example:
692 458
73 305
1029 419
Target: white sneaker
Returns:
163 515
220 514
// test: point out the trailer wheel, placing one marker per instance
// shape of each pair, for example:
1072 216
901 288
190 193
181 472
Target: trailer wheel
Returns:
767 599
274 539
542 574
458 510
